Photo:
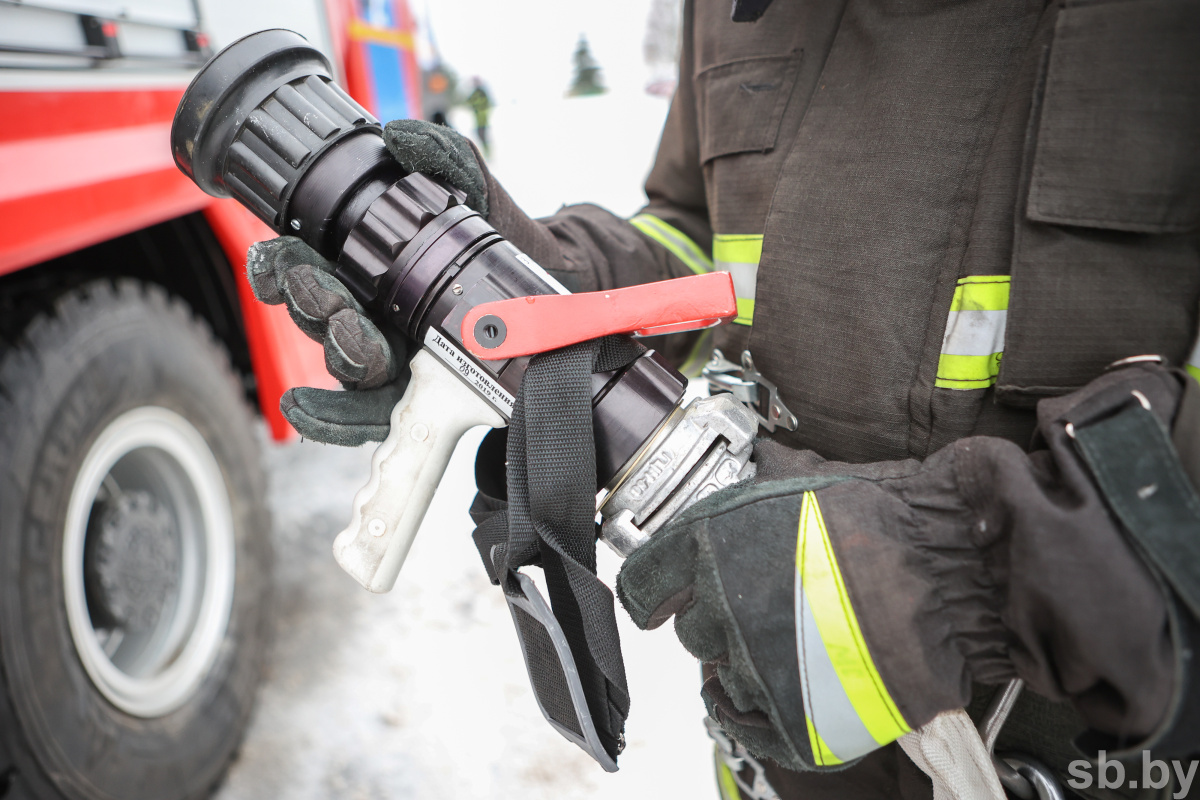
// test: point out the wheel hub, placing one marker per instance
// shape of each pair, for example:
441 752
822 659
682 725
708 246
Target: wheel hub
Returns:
133 561
148 561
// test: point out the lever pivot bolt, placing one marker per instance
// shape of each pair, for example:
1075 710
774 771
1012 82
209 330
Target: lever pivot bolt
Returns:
490 331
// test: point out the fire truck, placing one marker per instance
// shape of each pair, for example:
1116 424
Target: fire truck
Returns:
136 374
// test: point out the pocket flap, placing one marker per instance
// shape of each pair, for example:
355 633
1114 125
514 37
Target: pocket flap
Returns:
1118 142
741 103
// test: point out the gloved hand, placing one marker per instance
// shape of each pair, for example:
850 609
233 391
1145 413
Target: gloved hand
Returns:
846 607
440 152
727 570
370 363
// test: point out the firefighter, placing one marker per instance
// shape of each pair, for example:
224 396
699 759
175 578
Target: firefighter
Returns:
481 105
950 226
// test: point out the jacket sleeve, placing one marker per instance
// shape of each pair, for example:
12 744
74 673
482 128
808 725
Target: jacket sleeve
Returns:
589 248
986 563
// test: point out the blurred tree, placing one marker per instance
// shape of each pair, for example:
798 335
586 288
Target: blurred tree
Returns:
587 80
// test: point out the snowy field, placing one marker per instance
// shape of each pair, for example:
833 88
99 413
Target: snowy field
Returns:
422 693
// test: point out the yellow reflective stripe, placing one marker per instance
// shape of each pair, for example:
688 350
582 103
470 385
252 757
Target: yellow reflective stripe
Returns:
973 344
1192 365
359 31
690 254
738 248
725 781
739 254
745 309
981 293
683 248
967 372
675 241
821 594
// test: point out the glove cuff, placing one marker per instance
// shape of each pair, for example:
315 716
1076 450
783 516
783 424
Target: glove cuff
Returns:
990 563
926 582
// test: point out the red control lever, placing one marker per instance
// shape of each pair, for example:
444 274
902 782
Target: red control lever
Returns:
523 326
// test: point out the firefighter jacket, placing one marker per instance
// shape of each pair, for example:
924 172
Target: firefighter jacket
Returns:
937 215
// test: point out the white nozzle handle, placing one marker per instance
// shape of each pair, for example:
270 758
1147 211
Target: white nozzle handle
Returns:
436 410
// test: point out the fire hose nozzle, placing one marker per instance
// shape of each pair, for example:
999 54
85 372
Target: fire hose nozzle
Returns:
264 122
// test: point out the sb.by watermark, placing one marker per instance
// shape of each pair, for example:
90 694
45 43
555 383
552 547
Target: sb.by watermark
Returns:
1112 774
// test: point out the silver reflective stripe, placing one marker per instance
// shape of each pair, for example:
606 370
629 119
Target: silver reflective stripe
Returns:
1193 362
826 703
974 340
745 277
974 333
850 710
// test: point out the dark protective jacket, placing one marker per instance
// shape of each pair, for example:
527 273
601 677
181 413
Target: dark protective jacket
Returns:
938 214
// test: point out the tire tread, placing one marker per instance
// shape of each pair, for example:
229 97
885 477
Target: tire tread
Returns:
47 338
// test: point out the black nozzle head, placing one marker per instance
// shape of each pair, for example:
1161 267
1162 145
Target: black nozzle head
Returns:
263 122
224 93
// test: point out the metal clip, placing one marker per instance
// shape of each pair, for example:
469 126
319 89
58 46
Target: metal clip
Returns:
738 759
1021 776
749 387
1040 779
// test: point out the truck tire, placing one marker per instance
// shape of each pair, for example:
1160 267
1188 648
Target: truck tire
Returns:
134 552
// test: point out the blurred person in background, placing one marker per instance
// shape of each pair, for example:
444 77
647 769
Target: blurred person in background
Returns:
948 226
481 105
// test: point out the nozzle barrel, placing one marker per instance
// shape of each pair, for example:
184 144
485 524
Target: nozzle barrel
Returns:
264 122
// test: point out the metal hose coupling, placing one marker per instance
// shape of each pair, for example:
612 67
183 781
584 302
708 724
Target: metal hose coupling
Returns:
699 450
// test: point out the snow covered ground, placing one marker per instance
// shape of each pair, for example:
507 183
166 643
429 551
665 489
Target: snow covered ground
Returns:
422 693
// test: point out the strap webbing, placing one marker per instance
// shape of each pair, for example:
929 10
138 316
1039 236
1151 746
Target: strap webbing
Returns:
550 521
1140 473
1132 459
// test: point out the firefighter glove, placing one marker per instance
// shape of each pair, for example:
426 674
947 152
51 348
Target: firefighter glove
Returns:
371 364
727 571
838 606
441 152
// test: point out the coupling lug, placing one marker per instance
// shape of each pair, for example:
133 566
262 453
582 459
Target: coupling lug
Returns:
751 388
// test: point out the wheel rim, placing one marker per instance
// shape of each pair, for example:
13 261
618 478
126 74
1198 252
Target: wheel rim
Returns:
148 561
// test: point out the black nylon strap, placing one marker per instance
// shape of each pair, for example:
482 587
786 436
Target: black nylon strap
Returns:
1132 459
550 519
1146 485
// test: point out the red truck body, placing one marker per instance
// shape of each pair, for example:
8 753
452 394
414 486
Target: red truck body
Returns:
135 526
79 167
59 194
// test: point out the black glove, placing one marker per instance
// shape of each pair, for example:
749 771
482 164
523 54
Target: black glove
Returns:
440 152
846 607
726 570
370 363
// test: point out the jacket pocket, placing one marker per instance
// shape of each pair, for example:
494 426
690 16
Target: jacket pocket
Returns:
1118 142
741 103
1106 262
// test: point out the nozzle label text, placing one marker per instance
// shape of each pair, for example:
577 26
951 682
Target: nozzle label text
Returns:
470 372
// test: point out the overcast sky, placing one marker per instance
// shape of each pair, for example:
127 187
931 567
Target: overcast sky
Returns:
522 48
